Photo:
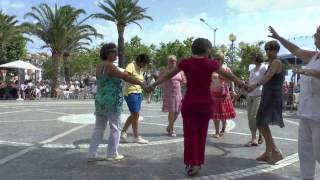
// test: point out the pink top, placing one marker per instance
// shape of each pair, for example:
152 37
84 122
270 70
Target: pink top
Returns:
198 72
219 87
172 86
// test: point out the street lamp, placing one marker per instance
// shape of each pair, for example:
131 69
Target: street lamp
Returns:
232 38
213 29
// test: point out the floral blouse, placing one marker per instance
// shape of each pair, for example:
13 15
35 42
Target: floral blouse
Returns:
109 97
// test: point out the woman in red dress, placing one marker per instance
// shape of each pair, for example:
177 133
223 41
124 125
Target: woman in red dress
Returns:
222 105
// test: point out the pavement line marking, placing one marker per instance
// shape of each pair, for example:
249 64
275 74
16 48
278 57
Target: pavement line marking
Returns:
26 110
15 143
292 122
34 147
230 125
66 108
30 103
62 134
54 112
16 155
156 116
253 170
86 146
281 138
26 121
152 143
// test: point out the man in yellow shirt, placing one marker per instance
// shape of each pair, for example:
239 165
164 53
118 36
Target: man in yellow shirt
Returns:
133 97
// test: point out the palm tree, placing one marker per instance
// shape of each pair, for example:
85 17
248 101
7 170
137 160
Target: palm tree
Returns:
54 27
78 38
8 30
122 13
50 28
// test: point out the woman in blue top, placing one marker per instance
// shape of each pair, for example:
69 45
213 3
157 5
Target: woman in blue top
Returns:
108 103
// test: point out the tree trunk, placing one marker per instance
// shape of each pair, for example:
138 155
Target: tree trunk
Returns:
56 73
2 54
66 62
121 46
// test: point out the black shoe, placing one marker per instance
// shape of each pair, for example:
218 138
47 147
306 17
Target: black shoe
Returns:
193 170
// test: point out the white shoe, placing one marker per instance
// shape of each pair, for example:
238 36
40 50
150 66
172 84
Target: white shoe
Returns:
140 140
124 137
116 158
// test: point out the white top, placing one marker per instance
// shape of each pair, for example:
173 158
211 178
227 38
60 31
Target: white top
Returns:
255 76
309 98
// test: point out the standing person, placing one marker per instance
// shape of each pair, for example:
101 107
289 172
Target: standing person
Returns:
171 91
222 105
197 103
270 108
254 97
108 103
309 101
149 78
133 97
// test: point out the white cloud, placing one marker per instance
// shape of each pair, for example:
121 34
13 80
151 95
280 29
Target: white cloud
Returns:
7 5
251 25
269 5
108 30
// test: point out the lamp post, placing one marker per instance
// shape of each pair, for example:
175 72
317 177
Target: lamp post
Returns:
213 29
232 38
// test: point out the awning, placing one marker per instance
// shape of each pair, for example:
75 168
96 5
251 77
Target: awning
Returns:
19 65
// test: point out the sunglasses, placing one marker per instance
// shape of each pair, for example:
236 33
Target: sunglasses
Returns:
269 49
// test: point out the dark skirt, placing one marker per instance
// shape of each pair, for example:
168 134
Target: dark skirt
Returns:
270 109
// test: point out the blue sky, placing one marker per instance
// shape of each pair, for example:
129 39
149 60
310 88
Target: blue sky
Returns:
179 19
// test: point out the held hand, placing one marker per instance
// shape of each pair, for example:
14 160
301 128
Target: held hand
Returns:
145 88
250 88
233 94
274 34
244 86
150 88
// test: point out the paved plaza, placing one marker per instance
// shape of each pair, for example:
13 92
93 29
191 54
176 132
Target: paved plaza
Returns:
48 140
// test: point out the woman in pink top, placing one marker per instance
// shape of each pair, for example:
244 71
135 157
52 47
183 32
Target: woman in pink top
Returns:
222 104
172 95
197 103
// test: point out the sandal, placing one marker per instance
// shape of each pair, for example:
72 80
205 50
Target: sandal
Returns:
173 133
221 133
168 129
275 157
193 170
264 157
251 143
260 140
217 135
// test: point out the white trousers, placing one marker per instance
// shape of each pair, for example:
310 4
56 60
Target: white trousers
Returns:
98 132
309 147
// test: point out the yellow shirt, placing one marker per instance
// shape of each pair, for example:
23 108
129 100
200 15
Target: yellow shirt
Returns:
136 72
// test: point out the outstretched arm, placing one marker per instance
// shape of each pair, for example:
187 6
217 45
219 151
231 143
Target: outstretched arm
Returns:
166 76
274 68
230 76
309 72
114 71
302 54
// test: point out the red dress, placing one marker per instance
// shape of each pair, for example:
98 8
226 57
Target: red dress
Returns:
222 105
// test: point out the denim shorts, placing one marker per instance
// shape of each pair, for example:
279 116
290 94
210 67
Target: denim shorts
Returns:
134 102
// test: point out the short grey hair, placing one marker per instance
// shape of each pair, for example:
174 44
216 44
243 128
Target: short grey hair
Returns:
171 56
